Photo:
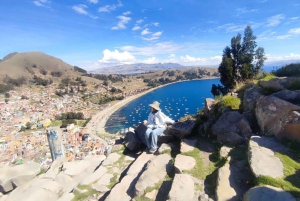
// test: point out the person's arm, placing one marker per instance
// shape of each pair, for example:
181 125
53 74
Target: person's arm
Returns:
167 119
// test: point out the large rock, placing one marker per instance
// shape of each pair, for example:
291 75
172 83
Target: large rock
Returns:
251 95
95 176
112 158
233 126
139 163
287 95
262 159
209 103
55 168
119 191
131 141
156 170
35 190
76 167
183 188
181 129
224 190
12 177
267 193
187 145
278 117
184 163
140 131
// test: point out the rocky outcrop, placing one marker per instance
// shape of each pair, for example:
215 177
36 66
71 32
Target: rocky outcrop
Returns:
12 177
224 190
131 141
261 157
181 129
183 163
208 106
251 95
155 172
277 117
288 95
231 128
267 193
183 188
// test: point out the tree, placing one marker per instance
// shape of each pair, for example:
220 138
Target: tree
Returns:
240 62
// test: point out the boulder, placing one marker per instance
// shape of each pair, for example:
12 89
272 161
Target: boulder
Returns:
140 131
181 129
187 145
208 106
277 117
76 167
55 168
262 160
12 177
224 190
131 141
155 172
275 83
112 158
182 189
251 95
139 163
231 128
119 191
287 95
267 193
94 176
184 163
165 147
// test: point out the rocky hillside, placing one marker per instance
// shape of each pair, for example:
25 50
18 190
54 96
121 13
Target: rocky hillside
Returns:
226 153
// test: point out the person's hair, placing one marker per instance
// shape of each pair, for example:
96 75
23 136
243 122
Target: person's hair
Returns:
154 110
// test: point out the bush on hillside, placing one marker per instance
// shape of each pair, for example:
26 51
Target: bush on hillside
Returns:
15 82
289 70
5 88
76 68
56 74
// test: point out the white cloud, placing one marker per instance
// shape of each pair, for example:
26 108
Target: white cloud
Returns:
245 10
156 24
93 1
189 60
123 20
151 60
109 8
139 21
294 18
275 20
41 2
116 57
145 32
295 31
282 37
291 56
153 36
150 50
127 13
80 9
232 27
136 27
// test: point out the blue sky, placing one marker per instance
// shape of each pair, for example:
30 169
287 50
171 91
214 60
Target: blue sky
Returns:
97 33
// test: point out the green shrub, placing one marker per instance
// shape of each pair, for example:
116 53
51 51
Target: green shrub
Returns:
231 102
294 85
289 70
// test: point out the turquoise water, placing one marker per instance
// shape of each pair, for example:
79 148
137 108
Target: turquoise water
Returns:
176 101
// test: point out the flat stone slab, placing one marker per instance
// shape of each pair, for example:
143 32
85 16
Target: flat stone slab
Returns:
105 180
165 147
182 188
100 188
12 177
224 191
262 160
156 170
224 151
113 157
119 191
184 163
95 176
76 167
267 193
187 145
139 163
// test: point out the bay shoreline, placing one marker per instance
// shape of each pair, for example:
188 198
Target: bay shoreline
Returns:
98 121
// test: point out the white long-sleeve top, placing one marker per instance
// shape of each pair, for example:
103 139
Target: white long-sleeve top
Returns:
158 120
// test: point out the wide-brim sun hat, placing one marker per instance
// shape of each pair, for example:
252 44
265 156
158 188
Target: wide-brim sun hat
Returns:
155 105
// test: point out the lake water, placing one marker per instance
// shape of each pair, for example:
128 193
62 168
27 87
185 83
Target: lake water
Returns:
176 101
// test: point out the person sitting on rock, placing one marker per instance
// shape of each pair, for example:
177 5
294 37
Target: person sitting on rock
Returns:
156 125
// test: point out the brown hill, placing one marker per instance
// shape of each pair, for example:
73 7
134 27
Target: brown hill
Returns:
29 64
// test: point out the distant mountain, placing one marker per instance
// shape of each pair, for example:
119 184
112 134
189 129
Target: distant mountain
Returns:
137 68
29 64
